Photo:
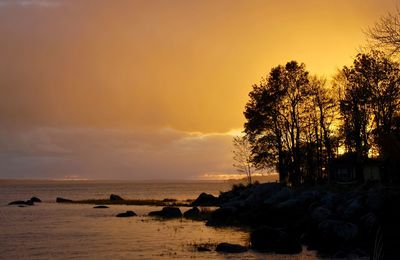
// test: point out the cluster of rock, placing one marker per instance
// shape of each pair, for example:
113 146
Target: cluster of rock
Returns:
283 219
22 203
221 247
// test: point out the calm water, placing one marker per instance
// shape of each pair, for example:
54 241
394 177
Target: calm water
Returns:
60 231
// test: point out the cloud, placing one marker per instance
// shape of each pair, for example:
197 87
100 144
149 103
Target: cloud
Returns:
100 153
28 3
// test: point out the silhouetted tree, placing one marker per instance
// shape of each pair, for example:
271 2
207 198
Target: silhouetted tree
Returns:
275 120
385 34
371 100
242 155
369 104
322 113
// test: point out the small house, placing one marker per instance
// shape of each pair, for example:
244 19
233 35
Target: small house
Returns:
344 170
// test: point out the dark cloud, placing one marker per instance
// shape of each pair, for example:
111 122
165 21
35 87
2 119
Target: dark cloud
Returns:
112 153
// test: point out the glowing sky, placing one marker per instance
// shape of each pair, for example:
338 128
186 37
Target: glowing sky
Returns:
151 89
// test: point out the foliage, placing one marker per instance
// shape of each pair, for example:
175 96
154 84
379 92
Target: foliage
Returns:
297 124
289 117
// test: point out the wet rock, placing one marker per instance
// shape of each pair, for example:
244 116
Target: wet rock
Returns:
127 214
274 240
205 199
21 202
230 248
203 249
114 197
35 199
62 200
192 213
222 216
100 207
167 212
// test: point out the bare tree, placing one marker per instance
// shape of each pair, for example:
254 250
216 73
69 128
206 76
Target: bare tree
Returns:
385 34
242 155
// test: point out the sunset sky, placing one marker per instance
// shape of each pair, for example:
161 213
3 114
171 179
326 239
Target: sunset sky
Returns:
152 89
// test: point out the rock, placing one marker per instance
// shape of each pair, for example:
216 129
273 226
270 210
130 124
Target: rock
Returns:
169 200
29 202
368 226
375 201
167 212
62 200
354 209
261 192
290 205
320 214
280 196
274 240
100 207
230 248
114 197
127 214
340 254
21 202
205 199
222 216
192 213
337 231
203 249
329 200
35 199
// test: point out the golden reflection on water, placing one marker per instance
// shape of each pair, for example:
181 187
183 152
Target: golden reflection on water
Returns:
51 230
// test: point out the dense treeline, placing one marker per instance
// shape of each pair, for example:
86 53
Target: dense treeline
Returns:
300 124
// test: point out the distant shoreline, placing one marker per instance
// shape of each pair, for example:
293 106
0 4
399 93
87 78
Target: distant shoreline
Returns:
266 178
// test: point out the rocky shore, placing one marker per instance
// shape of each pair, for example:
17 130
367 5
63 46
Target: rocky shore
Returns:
354 221
337 221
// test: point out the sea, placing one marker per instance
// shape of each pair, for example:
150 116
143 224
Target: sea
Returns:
50 230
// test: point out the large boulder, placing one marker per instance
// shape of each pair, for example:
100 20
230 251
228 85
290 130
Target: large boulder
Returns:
35 199
230 248
329 200
193 213
222 217
127 214
375 201
274 240
114 197
205 199
62 200
320 214
337 231
354 208
261 192
167 212
280 196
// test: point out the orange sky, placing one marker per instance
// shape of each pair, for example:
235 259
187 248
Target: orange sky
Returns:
71 68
